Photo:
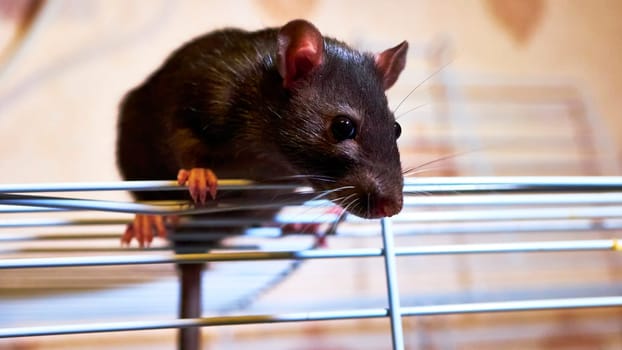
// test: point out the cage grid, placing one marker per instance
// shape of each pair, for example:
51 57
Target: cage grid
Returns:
585 203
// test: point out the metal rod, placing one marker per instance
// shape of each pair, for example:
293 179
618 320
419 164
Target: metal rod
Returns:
402 228
347 230
509 214
427 184
49 205
522 184
12 209
160 185
514 199
141 208
196 322
569 213
593 182
484 248
506 306
395 314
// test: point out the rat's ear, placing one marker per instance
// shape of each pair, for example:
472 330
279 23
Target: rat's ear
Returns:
391 62
300 49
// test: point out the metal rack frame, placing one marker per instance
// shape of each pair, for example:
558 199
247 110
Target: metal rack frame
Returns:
581 192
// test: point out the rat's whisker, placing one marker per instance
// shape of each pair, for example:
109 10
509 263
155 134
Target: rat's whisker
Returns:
421 83
310 176
326 193
411 110
345 199
443 158
416 171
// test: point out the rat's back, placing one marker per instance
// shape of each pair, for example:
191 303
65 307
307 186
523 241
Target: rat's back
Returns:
194 87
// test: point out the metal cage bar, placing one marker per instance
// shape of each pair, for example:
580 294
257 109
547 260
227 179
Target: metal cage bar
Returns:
504 306
483 248
474 191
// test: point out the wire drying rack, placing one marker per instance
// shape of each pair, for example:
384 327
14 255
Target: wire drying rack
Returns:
561 204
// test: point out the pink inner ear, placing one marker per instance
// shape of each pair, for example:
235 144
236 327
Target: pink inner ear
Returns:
300 50
301 62
391 62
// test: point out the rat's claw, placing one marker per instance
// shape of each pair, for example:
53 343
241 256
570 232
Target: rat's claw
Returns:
182 176
127 236
200 181
142 229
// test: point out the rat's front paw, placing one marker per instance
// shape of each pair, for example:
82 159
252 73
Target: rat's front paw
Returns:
143 228
200 182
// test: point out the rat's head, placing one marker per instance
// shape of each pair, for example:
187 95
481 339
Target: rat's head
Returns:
338 129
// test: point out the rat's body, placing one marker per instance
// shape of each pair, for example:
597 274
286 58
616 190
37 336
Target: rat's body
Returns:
279 103
204 109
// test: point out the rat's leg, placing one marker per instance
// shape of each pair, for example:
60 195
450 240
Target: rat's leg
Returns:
142 228
200 181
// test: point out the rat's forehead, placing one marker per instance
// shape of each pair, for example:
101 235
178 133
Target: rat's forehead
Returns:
344 53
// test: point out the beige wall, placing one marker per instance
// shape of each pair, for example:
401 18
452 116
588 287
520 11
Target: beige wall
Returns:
58 101
58 106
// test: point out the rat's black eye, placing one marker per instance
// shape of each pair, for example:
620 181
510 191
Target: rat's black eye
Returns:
343 128
398 130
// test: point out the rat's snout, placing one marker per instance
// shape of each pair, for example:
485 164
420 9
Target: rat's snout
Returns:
372 200
383 206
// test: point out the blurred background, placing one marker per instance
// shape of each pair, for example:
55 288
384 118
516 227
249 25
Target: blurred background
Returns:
510 87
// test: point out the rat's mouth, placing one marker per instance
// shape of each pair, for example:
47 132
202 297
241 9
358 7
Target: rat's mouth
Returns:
368 205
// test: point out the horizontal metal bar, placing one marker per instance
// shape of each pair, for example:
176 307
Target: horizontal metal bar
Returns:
343 231
25 203
514 199
522 247
591 212
62 222
461 185
509 306
140 208
428 310
569 213
347 230
14 209
159 185
548 181
419 184
419 201
185 323
514 247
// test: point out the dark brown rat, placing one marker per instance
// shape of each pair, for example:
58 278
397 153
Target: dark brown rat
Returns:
281 102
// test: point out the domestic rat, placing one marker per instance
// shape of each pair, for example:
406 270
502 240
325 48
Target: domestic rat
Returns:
279 102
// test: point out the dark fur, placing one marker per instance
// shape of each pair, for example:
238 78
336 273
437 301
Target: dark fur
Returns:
218 102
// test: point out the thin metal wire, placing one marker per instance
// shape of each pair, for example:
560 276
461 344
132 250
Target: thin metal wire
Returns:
416 185
505 306
163 185
580 206
348 230
482 248
462 185
138 208
31 204
395 313
464 216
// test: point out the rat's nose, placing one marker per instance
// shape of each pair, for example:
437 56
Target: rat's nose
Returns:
385 206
